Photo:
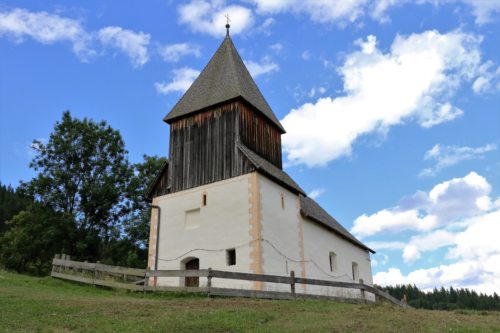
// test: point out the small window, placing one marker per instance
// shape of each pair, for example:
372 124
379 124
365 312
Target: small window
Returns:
282 201
204 199
355 271
333 262
231 257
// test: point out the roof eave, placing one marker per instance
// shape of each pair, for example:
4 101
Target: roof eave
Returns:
361 245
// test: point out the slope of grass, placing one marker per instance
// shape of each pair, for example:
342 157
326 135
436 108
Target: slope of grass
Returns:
29 304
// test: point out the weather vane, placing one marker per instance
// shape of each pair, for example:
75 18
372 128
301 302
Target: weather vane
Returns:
227 24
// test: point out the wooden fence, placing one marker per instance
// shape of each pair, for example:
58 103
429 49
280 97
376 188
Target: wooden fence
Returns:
137 280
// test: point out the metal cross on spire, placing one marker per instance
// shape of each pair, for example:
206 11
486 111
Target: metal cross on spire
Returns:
227 24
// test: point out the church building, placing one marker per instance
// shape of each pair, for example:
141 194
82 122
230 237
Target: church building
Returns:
223 201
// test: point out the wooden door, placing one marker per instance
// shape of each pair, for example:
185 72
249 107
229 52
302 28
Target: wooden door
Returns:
193 264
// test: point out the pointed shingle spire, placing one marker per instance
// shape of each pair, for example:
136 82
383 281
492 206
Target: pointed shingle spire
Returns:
224 78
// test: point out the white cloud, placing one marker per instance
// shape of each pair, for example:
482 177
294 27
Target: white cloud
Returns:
488 79
427 242
392 245
174 52
47 29
323 11
209 17
314 194
483 10
133 44
266 66
476 250
448 202
446 156
414 80
182 80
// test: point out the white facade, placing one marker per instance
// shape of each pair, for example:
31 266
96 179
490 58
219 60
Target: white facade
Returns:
261 220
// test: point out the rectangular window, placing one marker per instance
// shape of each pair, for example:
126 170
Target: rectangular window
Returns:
204 200
282 201
231 257
333 262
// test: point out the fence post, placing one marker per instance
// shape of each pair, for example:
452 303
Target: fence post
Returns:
95 272
363 296
292 283
209 281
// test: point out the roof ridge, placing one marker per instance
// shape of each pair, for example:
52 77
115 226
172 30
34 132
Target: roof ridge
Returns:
225 77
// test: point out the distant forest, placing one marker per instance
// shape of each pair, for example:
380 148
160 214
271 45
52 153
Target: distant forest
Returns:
444 299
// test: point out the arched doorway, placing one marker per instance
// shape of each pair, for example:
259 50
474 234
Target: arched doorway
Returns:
194 281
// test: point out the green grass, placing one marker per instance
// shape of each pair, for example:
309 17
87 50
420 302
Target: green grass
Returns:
29 304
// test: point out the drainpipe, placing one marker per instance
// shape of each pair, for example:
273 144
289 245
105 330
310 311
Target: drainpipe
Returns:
157 237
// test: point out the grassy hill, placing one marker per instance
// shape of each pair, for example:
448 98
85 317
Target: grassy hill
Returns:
29 304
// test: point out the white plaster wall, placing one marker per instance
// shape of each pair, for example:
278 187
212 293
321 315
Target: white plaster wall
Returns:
281 246
318 243
224 224
279 231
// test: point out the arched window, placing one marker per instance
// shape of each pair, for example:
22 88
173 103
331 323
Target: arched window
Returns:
355 271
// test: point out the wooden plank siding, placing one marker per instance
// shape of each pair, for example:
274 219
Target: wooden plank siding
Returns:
259 134
203 147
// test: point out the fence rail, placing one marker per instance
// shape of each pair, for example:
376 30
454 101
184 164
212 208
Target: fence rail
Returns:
137 280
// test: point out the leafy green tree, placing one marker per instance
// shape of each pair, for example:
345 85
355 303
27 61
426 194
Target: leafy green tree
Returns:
137 223
34 236
84 172
11 202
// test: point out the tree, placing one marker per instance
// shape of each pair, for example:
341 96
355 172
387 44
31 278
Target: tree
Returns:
34 236
11 202
137 223
83 173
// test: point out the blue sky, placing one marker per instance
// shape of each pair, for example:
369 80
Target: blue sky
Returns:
392 108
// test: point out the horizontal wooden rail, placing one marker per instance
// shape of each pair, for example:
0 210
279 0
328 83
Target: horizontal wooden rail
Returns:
251 277
178 273
106 275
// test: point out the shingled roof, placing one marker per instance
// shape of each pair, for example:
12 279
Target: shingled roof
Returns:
310 209
224 78
270 170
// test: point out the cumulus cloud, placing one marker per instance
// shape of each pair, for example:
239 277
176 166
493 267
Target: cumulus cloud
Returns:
174 52
427 242
322 11
414 80
449 202
348 11
209 17
46 28
182 80
446 156
488 79
266 66
477 254
483 10
133 44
